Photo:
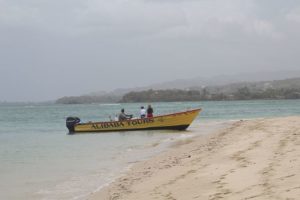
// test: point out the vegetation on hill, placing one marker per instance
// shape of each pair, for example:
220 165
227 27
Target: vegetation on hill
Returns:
162 95
243 93
280 89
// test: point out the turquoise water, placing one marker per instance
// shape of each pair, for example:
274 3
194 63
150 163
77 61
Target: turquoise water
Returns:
38 160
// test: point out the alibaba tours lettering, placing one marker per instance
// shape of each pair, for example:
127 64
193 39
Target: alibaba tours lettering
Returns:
119 124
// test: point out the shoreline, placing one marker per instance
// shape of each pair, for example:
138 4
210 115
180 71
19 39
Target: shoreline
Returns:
207 129
250 159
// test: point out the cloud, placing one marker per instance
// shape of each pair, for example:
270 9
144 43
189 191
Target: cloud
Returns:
104 44
294 15
113 17
123 19
15 14
220 20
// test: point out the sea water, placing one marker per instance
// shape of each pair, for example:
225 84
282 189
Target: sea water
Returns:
39 160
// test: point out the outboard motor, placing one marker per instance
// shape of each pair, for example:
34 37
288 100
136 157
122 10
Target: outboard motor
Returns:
71 122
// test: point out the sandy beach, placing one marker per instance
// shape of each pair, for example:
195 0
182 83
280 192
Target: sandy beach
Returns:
250 159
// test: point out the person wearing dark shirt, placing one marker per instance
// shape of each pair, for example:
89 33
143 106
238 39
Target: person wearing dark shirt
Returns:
149 111
123 116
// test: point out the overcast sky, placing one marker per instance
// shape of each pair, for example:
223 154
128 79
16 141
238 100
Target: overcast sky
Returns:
55 48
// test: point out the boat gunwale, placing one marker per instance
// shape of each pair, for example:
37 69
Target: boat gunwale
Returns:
86 123
178 127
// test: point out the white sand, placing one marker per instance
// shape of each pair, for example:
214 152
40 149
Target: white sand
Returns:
255 159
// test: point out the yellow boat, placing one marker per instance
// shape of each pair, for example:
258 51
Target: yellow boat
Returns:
174 121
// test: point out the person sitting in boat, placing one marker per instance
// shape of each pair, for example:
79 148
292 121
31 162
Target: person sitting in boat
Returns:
143 112
149 111
123 116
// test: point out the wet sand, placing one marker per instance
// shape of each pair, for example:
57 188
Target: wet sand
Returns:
251 159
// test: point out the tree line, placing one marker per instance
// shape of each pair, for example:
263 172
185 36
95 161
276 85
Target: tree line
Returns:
204 94
278 89
172 95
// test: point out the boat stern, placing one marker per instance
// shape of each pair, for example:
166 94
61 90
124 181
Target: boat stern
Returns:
71 122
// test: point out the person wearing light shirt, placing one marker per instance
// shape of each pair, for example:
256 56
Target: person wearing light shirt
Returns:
143 112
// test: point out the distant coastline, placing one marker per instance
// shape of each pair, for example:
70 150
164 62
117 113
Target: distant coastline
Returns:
275 90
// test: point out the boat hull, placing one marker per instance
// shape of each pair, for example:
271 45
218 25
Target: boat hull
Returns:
175 121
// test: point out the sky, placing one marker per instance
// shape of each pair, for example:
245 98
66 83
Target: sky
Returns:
55 48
